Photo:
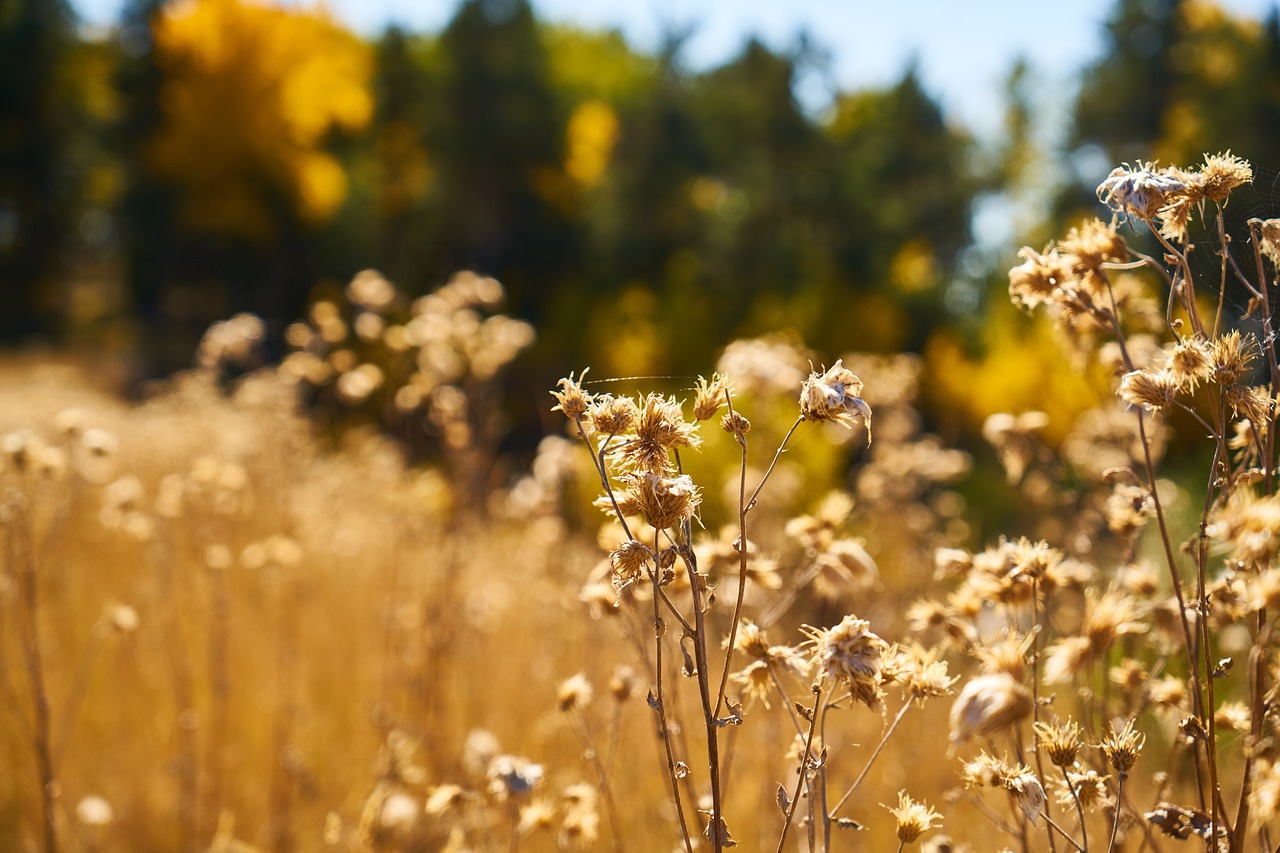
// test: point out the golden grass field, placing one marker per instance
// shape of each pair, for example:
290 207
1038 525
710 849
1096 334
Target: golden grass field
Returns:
233 617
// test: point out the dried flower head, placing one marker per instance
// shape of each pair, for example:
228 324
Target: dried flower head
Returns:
665 502
1060 742
988 703
660 428
710 396
988 772
833 396
511 776
1190 363
1222 173
1140 191
1122 748
851 654
627 563
1231 355
571 399
574 693
1036 281
610 415
1152 390
1089 787
914 819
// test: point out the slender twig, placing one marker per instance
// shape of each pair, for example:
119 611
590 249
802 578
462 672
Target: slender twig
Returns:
902 712
804 768
20 555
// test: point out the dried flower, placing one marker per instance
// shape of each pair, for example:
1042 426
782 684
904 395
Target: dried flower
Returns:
1139 192
850 653
833 396
914 819
710 396
1153 390
1122 748
627 563
1060 742
610 415
665 502
988 703
571 399
660 428
574 693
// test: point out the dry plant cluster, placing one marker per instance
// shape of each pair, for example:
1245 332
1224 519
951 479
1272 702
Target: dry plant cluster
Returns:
218 632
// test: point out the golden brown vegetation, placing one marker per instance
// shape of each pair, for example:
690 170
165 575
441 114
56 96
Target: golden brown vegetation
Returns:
221 632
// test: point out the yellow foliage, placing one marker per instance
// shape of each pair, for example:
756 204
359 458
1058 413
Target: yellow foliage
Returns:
1022 368
914 267
590 138
250 92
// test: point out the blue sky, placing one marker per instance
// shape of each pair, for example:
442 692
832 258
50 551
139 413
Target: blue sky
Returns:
963 48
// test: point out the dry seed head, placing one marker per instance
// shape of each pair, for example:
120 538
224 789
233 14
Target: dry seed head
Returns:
610 415
1036 280
512 776
574 693
914 819
710 396
1221 173
1252 402
1234 716
571 399
735 424
756 679
1189 363
1091 245
850 653
1270 232
751 640
1061 742
987 704
833 396
1231 355
534 816
1089 787
1140 191
922 674
1123 748
660 428
1007 654
1153 390
627 563
665 502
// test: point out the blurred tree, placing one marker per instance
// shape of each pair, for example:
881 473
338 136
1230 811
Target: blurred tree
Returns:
36 187
228 109
499 140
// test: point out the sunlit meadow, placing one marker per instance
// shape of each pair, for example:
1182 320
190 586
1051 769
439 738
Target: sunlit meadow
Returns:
309 605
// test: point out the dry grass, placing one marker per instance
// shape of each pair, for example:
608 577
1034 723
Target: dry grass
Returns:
218 631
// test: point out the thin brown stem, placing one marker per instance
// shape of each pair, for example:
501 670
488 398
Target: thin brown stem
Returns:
884 738
804 768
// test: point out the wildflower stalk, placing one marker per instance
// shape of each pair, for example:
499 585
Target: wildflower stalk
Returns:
884 739
742 557
804 767
1165 541
1115 824
22 563
1035 703
659 702
696 584
1075 797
